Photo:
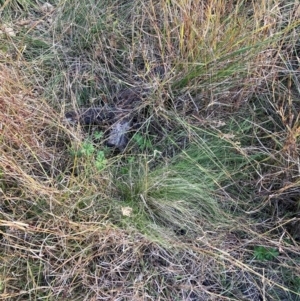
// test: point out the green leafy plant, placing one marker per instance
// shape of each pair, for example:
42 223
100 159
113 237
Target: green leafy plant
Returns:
262 253
130 159
142 142
100 161
98 135
87 149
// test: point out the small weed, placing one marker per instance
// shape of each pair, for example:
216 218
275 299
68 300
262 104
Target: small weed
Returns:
262 253
130 159
142 142
98 135
87 149
100 161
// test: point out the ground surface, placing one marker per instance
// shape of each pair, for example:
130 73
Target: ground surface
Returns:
203 203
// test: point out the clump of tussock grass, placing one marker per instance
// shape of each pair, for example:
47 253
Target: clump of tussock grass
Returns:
168 196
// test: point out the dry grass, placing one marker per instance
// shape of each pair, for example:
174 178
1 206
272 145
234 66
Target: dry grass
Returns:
205 192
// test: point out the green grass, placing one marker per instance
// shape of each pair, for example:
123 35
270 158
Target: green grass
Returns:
203 204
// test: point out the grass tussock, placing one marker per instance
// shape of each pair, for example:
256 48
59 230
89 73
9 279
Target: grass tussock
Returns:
203 203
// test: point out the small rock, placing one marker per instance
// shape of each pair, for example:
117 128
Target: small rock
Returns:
118 135
47 7
9 31
126 211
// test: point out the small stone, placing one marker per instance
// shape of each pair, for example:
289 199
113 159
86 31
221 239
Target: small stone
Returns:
47 7
126 211
118 135
9 31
